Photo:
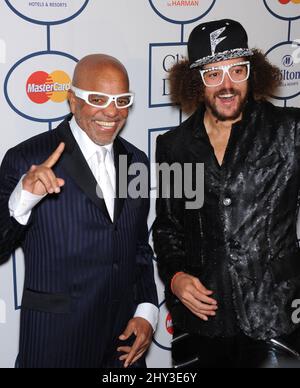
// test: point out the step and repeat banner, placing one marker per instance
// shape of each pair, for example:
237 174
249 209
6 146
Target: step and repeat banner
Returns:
40 43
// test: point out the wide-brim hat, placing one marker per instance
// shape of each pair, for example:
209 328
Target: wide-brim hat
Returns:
217 41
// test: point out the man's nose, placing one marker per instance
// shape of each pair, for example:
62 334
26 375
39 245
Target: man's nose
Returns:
227 83
111 110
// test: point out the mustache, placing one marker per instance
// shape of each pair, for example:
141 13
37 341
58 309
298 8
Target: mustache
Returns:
233 91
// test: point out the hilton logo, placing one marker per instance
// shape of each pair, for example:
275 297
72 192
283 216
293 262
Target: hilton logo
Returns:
287 56
289 77
287 61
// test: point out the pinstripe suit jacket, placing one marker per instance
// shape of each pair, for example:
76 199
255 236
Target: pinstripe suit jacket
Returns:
84 275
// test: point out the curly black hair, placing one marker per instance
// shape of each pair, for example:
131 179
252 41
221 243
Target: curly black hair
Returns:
187 88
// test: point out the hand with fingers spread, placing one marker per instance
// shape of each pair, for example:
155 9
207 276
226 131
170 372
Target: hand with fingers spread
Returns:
192 293
143 331
41 180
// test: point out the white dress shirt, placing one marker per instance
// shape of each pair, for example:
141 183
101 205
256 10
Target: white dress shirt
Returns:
21 202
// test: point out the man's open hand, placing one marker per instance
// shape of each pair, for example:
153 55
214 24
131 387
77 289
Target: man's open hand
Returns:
195 296
143 331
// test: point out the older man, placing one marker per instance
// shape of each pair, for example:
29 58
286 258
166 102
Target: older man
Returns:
89 294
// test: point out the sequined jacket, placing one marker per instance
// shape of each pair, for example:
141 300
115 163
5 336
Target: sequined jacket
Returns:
242 243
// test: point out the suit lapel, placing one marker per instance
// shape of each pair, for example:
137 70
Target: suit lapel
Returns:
74 163
77 168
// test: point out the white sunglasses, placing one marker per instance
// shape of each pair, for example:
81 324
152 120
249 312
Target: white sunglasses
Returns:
103 100
237 72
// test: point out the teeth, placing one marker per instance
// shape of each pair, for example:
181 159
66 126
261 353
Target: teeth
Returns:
106 124
227 96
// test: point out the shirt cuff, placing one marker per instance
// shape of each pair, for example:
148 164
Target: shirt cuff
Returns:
22 202
149 312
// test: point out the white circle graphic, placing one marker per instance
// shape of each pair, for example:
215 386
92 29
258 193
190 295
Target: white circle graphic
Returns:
163 334
284 9
47 12
287 57
182 12
23 92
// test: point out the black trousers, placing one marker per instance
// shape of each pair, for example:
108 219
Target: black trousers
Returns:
194 351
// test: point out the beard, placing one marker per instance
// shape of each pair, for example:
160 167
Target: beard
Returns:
212 105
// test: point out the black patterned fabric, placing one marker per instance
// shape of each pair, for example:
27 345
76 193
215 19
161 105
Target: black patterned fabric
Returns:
242 244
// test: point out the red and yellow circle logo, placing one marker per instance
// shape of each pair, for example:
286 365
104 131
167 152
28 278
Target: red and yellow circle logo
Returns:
42 87
289 1
169 324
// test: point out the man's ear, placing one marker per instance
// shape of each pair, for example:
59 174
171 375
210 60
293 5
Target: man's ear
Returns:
72 100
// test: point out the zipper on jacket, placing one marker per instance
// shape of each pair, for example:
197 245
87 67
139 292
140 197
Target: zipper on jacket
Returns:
201 236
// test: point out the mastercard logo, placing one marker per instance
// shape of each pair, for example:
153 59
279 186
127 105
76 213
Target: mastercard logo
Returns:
289 1
169 324
42 87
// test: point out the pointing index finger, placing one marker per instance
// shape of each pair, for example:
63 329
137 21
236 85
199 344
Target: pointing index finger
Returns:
53 159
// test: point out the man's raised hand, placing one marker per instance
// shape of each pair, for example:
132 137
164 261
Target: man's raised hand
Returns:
41 180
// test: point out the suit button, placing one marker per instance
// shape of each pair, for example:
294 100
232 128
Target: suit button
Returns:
234 244
227 202
234 258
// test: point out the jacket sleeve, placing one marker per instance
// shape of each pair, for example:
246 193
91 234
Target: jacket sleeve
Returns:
146 291
11 232
168 228
297 130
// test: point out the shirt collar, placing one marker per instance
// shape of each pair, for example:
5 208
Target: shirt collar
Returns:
87 146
